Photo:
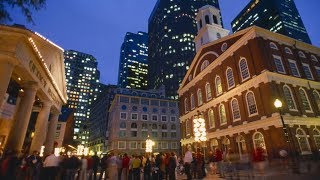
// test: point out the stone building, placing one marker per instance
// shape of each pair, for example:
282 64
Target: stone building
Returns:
233 82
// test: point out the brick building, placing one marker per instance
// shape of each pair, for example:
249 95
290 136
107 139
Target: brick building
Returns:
233 83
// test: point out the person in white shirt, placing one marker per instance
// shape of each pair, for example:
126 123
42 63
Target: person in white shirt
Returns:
51 166
187 162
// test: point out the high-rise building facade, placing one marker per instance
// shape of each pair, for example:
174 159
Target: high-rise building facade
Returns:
133 66
280 16
172 28
82 78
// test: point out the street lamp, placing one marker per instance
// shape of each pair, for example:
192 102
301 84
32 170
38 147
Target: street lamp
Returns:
149 144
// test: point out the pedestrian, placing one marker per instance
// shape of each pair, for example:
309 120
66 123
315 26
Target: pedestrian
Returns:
218 158
103 165
51 165
147 169
73 164
119 166
96 161
187 163
172 164
83 170
136 163
112 166
9 165
125 167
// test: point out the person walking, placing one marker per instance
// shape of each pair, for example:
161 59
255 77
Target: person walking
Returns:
125 167
172 164
51 167
147 169
95 165
136 163
218 158
187 163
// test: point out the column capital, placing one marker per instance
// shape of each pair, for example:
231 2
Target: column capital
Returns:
8 58
30 85
46 103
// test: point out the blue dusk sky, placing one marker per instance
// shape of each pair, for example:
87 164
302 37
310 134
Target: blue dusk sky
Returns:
97 27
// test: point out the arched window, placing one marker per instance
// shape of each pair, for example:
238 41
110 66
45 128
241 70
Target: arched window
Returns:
214 144
199 97
222 113
316 136
185 105
215 20
123 125
134 126
244 69
287 50
154 127
192 101
188 127
314 58
173 127
316 98
225 144
208 91
230 78
251 103
273 46
301 54
235 109
224 47
241 145
207 19
218 36
164 127
305 100
200 22
211 119
218 86
303 141
289 98
204 65
258 141
144 126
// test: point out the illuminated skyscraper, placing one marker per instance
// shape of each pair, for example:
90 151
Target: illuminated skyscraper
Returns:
82 79
133 66
172 29
280 16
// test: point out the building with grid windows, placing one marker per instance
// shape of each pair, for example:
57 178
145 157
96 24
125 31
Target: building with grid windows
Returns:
233 83
280 16
136 114
172 28
82 77
133 65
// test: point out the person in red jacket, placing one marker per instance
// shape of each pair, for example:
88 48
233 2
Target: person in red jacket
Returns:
125 166
218 158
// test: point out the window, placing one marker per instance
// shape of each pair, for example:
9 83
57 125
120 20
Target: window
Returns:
164 145
164 134
224 47
211 119
273 46
123 125
154 134
294 68
134 126
316 98
185 105
133 145
218 36
278 63
307 71
218 85
199 97
121 144
134 116
289 98
172 104
58 126
244 69
251 104
135 100
144 134
204 65
173 119
164 127
301 54
134 133
207 19
164 118
154 102
303 141
314 58
287 50
241 145
163 103
154 117
124 99
316 136
200 23
208 92
174 145
154 127
123 115
188 127
222 113
122 134
143 145
305 100
213 144
144 126
145 101
317 71
144 117
215 20
192 101
173 127
258 141
235 109
230 78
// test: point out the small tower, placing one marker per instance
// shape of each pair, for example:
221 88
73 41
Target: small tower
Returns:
209 26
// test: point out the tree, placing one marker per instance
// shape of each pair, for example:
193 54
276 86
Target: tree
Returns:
26 7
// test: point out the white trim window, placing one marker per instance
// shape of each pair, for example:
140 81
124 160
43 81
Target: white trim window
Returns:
204 65
235 109
224 47
291 104
208 92
279 65
230 78
307 71
199 93
211 119
174 145
164 118
192 101
241 141
293 67
123 125
303 141
301 54
287 50
244 70
258 141
305 100
316 96
134 116
154 117
218 85
173 128
186 105
251 104
317 71
164 128
316 136
173 118
314 58
121 145
273 46
222 113
164 145
144 117
133 145
123 115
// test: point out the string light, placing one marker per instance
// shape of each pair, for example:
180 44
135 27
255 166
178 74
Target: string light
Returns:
199 129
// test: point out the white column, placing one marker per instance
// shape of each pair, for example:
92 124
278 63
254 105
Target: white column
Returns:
41 127
51 133
6 68
19 128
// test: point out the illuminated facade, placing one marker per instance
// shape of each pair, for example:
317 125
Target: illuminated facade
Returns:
82 79
280 16
133 66
172 28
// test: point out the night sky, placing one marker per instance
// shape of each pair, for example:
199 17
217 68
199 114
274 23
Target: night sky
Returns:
97 27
